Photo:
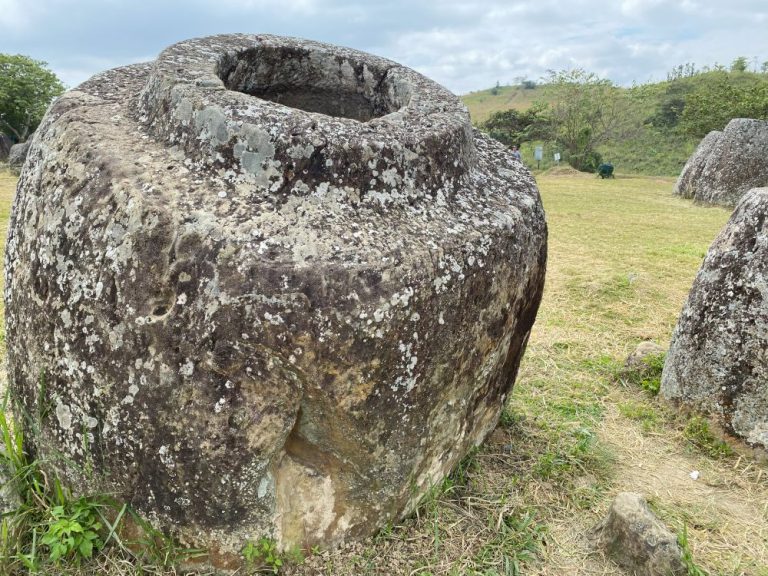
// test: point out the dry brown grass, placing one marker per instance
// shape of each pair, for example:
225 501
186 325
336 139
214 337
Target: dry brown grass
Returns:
623 254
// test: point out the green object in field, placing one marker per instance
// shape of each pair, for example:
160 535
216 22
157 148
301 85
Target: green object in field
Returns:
605 170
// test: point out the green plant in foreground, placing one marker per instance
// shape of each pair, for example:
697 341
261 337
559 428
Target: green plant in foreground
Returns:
698 433
263 552
520 535
73 530
690 565
44 524
647 376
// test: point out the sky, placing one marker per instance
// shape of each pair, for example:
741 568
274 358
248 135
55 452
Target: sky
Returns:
465 45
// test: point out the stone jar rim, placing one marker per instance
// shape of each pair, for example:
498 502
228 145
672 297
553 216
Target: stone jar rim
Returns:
405 130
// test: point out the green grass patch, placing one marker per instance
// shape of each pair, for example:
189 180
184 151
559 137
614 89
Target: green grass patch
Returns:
698 432
691 566
44 525
46 530
518 538
647 375
647 416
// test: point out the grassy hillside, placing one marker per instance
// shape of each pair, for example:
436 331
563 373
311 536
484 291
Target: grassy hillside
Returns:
622 256
652 150
485 102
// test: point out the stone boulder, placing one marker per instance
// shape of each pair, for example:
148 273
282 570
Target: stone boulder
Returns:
727 164
637 541
5 147
690 177
717 360
17 155
267 287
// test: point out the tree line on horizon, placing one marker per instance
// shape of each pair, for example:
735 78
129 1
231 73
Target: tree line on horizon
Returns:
579 114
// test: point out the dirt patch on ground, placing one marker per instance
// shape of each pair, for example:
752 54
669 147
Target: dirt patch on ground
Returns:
725 509
565 170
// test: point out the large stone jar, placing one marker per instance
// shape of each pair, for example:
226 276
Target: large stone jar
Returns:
718 359
266 287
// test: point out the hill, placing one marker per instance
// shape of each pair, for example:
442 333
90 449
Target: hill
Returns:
657 146
483 103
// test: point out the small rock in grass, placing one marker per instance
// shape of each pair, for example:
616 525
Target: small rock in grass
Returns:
637 359
636 540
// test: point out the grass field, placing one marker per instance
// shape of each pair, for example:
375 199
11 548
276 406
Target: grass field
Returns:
622 256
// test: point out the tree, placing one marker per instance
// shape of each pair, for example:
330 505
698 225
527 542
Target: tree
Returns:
687 70
670 105
513 126
712 106
739 64
587 112
27 87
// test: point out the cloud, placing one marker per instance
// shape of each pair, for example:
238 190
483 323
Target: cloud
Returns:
12 15
463 44
305 7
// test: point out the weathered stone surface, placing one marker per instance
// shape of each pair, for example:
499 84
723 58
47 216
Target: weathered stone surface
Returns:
17 155
636 540
9 499
717 361
272 287
690 177
5 146
727 164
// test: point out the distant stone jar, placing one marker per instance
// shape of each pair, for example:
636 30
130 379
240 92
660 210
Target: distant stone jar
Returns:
17 156
267 287
727 164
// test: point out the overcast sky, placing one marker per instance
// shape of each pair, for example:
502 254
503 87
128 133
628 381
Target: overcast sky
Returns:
463 44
